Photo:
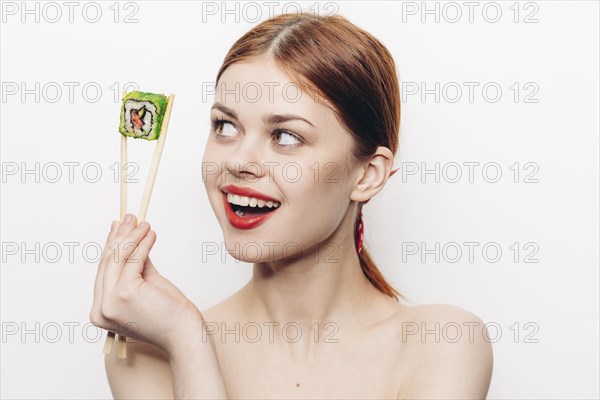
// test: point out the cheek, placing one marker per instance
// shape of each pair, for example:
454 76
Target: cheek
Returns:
332 191
319 198
210 153
331 180
212 165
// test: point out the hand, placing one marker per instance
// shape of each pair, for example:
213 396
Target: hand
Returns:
131 298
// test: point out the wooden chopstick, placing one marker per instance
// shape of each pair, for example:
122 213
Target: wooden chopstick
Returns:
155 161
112 337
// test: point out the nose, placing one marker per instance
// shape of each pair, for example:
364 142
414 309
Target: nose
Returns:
245 160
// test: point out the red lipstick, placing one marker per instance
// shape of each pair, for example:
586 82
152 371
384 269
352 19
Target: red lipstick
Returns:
243 191
247 221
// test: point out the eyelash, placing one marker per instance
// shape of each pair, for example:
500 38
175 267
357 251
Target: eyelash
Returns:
217 123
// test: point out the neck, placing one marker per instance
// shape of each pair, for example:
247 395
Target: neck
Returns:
325 283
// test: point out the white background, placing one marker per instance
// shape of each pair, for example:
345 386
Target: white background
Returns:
175 47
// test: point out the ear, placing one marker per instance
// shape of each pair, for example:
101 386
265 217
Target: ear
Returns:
374 175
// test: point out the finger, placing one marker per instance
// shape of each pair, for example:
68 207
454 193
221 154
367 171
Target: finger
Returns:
105 254
95 314
99 275
135 265
110 241
113 229
114 265
120 242
132 241
129 223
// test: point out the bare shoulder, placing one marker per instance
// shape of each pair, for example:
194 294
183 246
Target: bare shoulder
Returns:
224 309
144 374
449 351
216 311
442 313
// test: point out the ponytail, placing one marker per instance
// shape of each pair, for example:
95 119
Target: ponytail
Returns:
371 271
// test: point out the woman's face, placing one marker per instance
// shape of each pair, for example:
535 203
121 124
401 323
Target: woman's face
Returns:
281 142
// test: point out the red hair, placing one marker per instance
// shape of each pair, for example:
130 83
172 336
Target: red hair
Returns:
340 62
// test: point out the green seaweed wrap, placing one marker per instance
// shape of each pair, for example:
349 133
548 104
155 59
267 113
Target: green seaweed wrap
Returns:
142 115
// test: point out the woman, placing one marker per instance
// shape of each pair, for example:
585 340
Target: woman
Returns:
304 130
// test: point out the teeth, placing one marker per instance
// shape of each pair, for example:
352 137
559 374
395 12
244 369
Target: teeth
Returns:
250 201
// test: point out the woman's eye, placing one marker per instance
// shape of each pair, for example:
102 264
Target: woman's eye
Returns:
226 129
223 127
289 140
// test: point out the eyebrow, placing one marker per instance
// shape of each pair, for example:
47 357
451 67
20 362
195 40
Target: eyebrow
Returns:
272 119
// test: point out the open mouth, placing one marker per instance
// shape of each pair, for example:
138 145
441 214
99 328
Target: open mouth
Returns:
247 211
249 216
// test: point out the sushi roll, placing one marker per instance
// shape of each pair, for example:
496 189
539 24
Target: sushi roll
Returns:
142 115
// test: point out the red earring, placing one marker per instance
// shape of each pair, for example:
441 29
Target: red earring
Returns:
360 228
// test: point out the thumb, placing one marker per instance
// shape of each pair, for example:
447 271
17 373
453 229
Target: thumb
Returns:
149 269
152 276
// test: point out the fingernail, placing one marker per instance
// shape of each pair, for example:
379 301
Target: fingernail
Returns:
143 224
127 218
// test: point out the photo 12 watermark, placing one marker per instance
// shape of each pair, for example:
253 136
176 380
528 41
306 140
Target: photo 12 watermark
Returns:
490 252
453 332
64 92
67 172
453 12
470 92
270 331
55 12
252 12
